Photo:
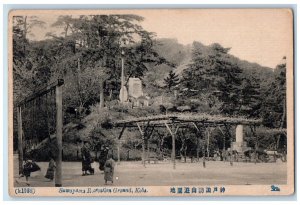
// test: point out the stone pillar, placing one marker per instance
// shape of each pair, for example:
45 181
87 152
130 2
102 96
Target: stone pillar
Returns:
239 138
239 145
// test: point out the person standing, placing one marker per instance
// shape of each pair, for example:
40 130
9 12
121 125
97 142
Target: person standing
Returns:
109 167
86 159
51 169
103 157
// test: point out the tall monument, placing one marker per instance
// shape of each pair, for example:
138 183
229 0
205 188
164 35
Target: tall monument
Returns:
239 145
123 91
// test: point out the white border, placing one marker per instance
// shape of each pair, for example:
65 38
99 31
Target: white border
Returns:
157 2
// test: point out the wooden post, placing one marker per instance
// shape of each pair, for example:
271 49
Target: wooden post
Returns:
143 147
148 135
231 152
173 157
198 141
224 148
119 141
143 144
185 155
203 152
230 138
207 148
20 139
148 149
198 146
224 139
256 144
278 140
173 152
256 147
59 124
119 145
203 144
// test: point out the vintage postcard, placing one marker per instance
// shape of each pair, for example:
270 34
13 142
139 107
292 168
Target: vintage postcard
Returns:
151 102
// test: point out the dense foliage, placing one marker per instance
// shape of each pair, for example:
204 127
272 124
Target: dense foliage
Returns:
194 78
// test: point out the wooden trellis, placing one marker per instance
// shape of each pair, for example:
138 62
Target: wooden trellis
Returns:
175 121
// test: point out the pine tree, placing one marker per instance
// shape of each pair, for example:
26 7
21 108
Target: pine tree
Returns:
212 72
273 110
171 80
250 99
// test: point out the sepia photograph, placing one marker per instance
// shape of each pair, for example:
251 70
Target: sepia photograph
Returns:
151 102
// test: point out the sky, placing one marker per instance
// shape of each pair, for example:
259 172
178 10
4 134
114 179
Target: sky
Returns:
262 36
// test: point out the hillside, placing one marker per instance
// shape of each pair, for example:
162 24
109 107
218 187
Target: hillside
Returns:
181 56
91 126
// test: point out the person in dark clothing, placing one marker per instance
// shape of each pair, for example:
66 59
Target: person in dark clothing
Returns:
51 169
103 157
28 167
86 159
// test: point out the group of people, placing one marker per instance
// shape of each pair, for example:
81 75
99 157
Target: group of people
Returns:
106 163
30 166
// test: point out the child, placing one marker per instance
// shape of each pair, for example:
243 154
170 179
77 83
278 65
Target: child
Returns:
109 169
51 169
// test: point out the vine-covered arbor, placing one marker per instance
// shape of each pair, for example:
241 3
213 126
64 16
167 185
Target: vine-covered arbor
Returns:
173 122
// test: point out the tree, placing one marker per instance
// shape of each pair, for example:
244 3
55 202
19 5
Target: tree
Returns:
171 80
81 92
103 38
273 109
23 26
66 22
23 71
96 41
213 72
250 98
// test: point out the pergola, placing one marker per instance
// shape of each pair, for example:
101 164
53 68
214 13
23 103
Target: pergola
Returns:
172 122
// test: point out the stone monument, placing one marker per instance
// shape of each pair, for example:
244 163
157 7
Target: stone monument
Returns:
239 145
123 94
135 89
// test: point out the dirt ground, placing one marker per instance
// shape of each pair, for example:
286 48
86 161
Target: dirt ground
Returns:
162 173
